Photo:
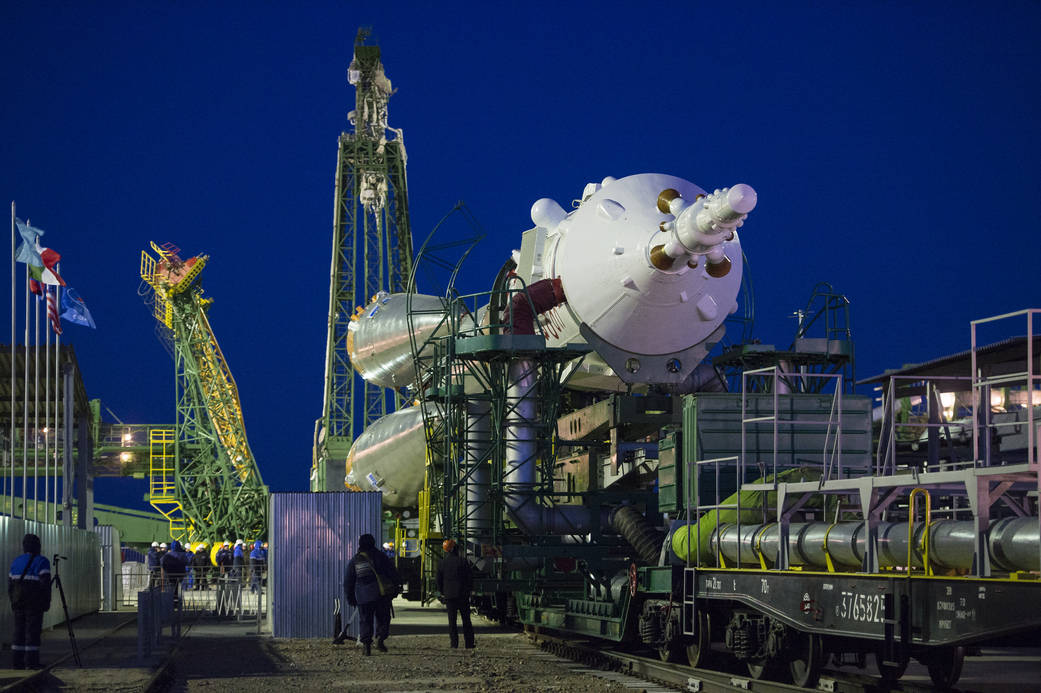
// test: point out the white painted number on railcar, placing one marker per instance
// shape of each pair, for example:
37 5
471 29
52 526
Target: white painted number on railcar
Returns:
866 608
765 585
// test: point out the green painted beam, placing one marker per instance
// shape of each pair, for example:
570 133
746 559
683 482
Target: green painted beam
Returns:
136 527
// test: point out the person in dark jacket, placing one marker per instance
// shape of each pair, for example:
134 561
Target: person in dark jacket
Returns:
174 564
224 559
152 561
257 561
29 591
454 582
367 572
202 567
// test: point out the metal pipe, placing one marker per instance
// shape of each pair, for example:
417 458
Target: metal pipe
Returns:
519 468
1014 544
478 470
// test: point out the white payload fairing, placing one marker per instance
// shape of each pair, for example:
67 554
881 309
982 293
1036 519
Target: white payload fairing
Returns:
650 267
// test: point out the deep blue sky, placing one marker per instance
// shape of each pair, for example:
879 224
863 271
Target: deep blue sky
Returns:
895 147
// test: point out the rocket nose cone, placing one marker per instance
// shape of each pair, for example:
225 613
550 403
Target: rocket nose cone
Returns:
742 198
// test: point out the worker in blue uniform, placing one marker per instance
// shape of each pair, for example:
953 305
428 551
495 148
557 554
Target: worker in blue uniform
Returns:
29 591
238 560
371 583
455 582
257 562
224 559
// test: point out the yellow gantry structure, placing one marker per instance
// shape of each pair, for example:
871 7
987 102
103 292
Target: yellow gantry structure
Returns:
212 481
162 485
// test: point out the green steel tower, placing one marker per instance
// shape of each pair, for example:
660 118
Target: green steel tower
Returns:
202 475
372 252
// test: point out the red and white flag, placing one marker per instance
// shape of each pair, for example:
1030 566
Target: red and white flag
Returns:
52 311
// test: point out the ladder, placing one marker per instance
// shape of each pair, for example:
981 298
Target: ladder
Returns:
162 480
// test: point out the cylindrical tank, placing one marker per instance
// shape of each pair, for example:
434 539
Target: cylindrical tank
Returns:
478 470
1013 544
649 278
390 456
378 338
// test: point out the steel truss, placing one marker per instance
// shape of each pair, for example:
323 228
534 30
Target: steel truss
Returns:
215 491
372 252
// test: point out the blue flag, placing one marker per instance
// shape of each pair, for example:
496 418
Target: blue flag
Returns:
27 251
74 309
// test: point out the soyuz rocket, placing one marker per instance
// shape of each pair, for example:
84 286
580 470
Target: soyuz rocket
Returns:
644 270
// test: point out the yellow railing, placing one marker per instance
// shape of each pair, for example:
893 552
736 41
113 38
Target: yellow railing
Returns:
925 532
162 480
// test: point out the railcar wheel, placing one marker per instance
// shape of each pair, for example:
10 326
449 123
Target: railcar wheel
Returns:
807 658
671 652
945 666
890 673
765 668
672 648
700 643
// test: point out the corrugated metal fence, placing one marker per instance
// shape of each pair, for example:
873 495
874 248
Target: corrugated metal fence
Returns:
313 536
111 567
79 574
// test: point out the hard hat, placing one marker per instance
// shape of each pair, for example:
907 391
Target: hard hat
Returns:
227 543
202 545
163 545
387 545
155 545
238 542
448 545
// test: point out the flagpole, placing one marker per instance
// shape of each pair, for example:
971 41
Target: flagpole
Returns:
46 414
36 408
25 397
14 309
57 390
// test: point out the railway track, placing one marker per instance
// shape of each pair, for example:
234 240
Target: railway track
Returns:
677 677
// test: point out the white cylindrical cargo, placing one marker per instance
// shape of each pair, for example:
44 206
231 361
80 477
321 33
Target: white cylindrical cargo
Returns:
379 339
390 456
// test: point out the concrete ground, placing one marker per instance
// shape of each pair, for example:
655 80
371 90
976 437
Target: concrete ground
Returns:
229 655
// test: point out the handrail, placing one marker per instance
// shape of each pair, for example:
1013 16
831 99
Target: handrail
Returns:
824 547
925 531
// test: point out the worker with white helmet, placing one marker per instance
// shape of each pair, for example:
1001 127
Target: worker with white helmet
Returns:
201 566
238 560
224 558
152 562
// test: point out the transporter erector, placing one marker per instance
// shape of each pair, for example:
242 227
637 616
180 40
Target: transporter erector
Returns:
607 482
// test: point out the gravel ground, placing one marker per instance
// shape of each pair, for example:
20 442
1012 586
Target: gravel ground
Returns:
501 662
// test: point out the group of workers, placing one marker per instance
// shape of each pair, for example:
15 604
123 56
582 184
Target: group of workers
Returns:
193 568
